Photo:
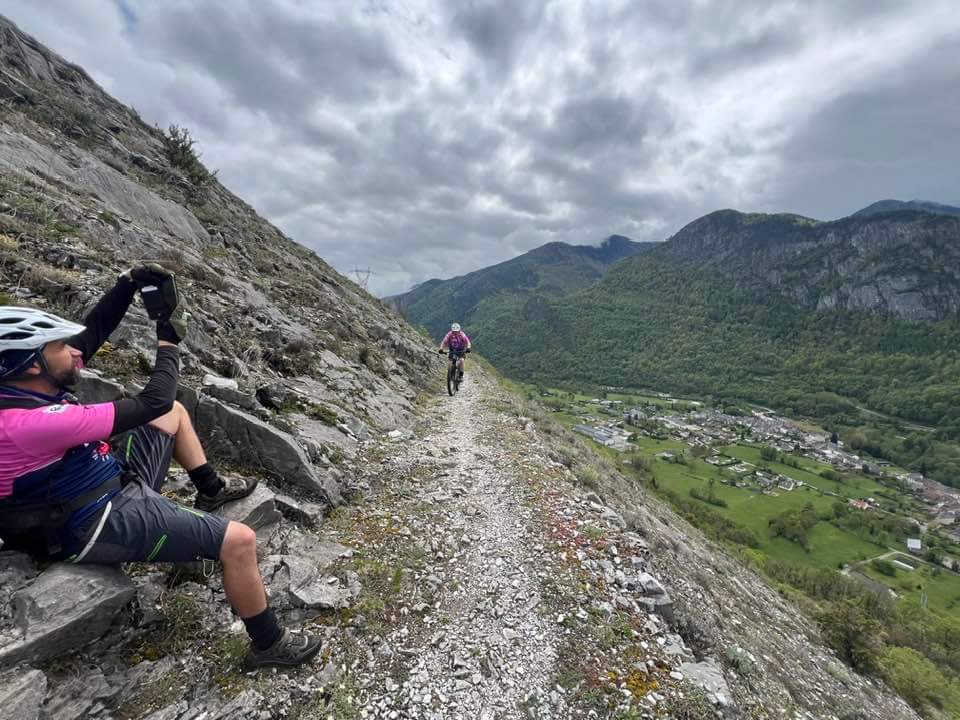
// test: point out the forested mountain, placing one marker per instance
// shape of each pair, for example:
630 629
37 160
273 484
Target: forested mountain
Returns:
774 308
888 205
549 271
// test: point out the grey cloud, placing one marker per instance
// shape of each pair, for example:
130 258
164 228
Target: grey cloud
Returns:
388 133
270 61
496 29
583 124
897 139
734 53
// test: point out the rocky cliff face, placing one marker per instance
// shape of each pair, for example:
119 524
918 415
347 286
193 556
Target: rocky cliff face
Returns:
904 263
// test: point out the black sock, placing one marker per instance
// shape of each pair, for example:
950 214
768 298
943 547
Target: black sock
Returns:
205 479
263 629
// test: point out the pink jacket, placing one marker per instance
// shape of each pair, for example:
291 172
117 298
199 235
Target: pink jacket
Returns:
455 340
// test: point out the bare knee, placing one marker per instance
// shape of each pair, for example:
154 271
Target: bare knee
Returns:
239 544
171 421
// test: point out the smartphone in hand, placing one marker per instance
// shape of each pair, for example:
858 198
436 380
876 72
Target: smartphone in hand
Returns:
154 301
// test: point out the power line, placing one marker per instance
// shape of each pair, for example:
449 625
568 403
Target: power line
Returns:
362 276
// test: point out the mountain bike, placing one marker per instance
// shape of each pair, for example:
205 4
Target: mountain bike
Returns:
453 373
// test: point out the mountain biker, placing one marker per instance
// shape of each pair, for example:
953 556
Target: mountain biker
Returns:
66 495
458 343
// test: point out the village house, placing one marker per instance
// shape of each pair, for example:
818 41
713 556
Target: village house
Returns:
914 481
786 483
914 545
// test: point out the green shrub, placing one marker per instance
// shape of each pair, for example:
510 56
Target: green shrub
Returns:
740 661
323 414
178 147
884 567
919 681
588 476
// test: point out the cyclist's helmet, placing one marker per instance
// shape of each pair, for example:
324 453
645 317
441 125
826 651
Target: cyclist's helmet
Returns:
24 332
455 327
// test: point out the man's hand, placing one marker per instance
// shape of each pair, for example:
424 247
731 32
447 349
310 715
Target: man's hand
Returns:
158 289
147 273
173 328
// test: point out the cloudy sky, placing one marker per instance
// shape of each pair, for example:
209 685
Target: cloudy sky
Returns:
427 138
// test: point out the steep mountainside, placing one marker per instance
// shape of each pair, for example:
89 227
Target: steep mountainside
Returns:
87 188
480 297
769 307
890 205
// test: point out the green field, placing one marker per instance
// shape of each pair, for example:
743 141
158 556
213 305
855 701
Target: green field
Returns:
654 446
830 547
943 589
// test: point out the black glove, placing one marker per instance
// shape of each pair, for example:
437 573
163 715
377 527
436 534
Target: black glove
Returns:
173 328
440 352
158 289
148 273
467 350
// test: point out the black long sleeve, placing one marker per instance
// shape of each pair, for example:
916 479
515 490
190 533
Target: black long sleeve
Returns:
156 398
105 317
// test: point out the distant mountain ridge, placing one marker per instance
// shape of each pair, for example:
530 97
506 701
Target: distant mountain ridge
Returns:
775 308
548 271
902 263
892 205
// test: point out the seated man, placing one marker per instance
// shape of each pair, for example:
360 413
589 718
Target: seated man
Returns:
65 495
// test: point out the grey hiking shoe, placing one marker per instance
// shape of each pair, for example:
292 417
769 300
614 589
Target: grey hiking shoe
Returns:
234 488
290 649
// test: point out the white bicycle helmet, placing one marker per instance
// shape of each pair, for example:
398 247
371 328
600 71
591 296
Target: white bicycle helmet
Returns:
29 329
455 327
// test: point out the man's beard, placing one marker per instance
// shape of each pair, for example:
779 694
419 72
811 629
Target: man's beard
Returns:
67 378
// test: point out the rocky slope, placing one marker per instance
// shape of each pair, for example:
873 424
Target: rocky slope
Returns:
286 368
87 189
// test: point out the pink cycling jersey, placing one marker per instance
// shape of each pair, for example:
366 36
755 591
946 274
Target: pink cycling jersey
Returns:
455 341
31 439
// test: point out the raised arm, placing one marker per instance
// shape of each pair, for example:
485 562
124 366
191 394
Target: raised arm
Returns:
105 317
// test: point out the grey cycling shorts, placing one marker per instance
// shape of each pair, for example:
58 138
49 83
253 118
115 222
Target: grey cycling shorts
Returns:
146 451
141 525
